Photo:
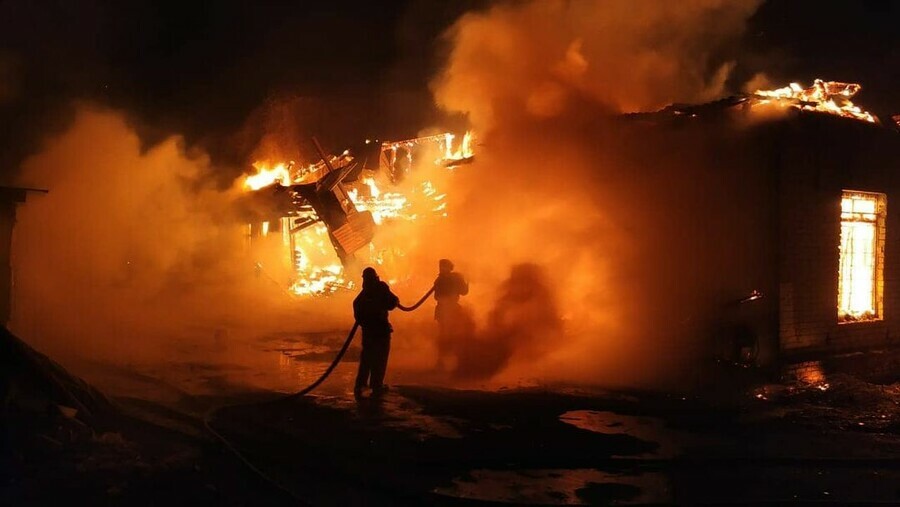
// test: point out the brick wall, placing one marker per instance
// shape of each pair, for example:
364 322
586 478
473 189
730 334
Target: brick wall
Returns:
819 157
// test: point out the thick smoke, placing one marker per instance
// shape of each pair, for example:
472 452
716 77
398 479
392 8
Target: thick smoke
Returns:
545 57
613 214
134 254
596 248
523 324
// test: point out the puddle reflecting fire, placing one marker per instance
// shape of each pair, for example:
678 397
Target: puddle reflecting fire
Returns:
559 487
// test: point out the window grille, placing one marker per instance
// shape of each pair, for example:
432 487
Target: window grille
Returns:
861 264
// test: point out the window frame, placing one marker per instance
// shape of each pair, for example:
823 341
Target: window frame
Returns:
880 223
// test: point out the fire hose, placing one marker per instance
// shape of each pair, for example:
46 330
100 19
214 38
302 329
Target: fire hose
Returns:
418 303
340 355
207 418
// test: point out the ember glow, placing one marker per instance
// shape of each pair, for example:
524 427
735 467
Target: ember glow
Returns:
830 97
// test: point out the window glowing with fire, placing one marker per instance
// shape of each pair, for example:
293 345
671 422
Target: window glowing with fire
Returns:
861 265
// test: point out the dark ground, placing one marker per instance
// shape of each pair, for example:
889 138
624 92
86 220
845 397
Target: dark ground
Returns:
833 440
427 446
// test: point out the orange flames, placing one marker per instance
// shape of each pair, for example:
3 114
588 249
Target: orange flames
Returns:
315 268
463 151
823 96
286 174
449 157
265 176
383 205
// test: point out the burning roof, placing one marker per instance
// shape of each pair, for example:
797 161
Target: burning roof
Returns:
335 205
829 97
823 96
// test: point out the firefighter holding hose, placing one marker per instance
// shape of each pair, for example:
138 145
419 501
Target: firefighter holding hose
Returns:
370 309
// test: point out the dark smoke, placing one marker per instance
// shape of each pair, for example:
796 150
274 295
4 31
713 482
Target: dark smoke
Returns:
524 321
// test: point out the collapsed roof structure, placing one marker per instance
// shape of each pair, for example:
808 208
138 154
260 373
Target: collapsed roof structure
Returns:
337 200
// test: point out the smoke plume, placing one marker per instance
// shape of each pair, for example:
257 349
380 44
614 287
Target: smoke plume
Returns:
589 254
132 252
609 211
548 56
523 323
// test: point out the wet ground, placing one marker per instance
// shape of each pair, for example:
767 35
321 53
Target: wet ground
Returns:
556 447
829 440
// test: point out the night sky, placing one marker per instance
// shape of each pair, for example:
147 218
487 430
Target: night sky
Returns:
211 70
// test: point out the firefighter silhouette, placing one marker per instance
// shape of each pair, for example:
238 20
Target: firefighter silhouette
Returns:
454 322
370 309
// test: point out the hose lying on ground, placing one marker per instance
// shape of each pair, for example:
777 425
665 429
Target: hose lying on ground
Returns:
306 390
207 418
337 359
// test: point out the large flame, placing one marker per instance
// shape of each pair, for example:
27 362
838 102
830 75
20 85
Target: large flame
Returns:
265 176
823 96
449 156
383 205
316 268
462 152
287 173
